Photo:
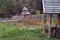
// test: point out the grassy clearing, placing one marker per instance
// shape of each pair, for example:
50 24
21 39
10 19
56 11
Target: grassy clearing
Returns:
16 33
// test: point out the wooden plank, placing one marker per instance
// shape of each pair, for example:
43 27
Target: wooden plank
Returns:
51 6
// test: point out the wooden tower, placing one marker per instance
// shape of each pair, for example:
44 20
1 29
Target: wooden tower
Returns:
51 7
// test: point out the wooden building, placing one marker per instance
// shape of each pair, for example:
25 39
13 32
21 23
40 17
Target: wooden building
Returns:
25 12
51 7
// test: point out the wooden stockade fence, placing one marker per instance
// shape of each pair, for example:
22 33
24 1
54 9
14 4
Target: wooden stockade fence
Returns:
10 21
36 20
30 19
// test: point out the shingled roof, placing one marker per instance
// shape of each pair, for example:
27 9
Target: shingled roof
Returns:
25 11
25 8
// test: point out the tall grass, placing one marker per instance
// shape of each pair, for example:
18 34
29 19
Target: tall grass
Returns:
16 33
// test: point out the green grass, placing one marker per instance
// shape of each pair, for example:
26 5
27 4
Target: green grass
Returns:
8 32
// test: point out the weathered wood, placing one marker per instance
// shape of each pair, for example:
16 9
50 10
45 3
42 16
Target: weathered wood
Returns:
49 28
43 24
58 20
